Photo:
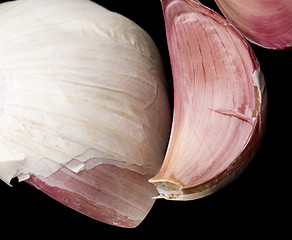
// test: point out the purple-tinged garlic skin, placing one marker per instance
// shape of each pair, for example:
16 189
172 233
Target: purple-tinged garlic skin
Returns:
114 195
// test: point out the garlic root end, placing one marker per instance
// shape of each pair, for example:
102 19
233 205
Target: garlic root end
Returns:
173 191
168 190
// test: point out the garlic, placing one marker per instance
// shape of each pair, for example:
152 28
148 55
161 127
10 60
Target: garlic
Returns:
265 23
84 108
219 103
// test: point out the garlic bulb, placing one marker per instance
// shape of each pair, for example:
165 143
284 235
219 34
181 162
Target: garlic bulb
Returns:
265 23
84 108
219 102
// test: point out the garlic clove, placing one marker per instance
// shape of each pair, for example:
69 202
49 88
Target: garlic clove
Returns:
81 88
219 103
265 23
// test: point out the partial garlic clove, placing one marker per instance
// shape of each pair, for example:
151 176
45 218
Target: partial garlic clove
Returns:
266 23
112 194
219 102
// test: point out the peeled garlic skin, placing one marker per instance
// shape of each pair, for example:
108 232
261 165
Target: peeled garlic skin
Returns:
84 108
219 103
265 23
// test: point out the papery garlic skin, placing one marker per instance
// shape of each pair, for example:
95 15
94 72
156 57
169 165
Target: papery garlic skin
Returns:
219 103
265 23
79 83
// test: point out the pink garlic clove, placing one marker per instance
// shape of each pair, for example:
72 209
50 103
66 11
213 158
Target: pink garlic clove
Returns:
265 23
219 102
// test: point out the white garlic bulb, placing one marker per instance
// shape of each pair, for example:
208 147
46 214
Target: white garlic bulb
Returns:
81 88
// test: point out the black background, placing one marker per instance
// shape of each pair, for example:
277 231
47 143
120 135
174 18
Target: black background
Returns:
254 205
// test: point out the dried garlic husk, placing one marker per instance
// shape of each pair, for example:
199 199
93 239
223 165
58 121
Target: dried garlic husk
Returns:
84 108
265 23
219 102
